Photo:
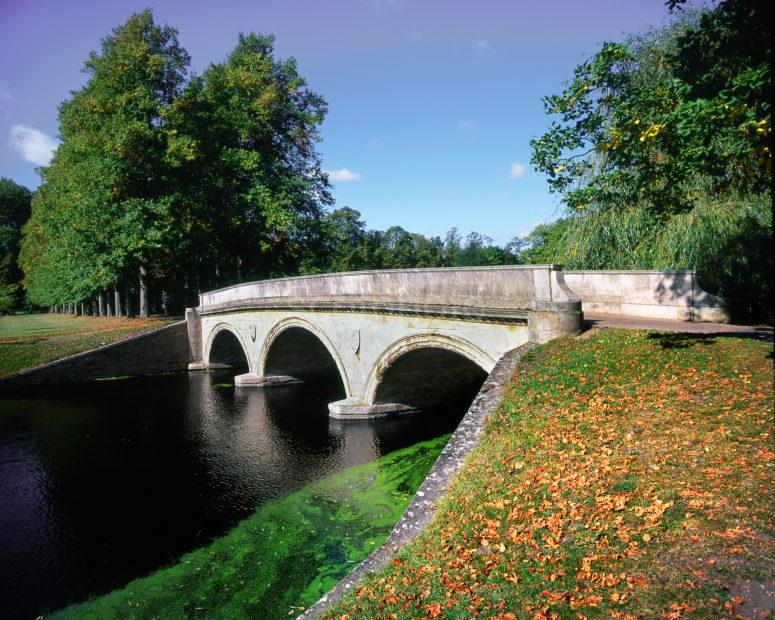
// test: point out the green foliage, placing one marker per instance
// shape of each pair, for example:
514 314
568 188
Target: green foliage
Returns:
201 182
726 238
349 246
663 152
104 206
642 119
546 243
14 211
248 128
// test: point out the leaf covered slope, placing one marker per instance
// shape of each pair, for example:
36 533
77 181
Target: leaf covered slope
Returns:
625 475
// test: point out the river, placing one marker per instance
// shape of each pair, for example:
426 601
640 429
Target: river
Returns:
109 481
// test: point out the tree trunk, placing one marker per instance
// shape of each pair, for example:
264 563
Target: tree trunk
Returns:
83 309
117 301
108 305
143 294
101 304
94 308
128 301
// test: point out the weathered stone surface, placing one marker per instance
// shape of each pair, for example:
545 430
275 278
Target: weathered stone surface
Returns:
674 295
252 379
504 287
356 409
161 350
366 321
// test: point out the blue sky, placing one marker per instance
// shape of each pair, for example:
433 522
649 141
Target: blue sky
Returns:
431 104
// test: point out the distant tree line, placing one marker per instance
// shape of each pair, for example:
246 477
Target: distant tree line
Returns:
14 212
349 246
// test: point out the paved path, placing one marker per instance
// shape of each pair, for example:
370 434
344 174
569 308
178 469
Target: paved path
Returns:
600 321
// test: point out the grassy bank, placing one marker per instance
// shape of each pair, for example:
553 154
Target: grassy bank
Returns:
284 556
34 339
625 475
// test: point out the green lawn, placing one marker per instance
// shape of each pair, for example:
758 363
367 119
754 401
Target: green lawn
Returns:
625 475
33 339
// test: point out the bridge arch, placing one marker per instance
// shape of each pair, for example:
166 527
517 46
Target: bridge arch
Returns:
415 353
222 346
293 331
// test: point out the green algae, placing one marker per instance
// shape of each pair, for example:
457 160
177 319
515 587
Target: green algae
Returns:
283 557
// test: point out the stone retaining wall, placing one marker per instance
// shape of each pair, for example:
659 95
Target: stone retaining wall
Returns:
161 350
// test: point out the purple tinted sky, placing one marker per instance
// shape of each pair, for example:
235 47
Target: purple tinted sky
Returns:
430 103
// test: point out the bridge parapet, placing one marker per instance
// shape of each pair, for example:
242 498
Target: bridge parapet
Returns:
503 291
370 322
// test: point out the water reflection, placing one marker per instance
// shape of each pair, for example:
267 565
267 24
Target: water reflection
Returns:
105 482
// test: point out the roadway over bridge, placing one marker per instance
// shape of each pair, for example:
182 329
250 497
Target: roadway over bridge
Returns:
397 339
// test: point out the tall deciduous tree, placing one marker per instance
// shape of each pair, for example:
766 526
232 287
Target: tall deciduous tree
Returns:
249 126
642 119
106 211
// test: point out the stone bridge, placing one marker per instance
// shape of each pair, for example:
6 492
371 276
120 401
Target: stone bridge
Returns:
398 339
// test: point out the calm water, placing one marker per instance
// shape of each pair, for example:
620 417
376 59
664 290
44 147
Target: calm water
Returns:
106 482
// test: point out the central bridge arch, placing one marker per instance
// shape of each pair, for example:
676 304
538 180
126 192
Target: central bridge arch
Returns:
404 349
298 350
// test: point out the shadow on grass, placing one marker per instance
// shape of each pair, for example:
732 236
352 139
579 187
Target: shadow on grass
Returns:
683 340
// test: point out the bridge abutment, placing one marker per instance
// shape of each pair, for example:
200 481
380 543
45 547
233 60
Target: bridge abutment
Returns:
550 320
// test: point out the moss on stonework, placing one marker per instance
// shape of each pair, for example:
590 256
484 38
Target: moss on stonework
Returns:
284 556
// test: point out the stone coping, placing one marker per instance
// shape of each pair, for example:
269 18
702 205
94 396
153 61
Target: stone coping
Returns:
661 272
342 304
337 274
422 508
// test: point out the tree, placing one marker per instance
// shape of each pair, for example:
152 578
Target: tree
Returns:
107 209
546 243
344 232
251 124
642 119
663 152
15 202
183 184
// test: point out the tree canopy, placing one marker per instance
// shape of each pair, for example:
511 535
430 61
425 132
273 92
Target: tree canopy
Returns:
662 151
184 182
